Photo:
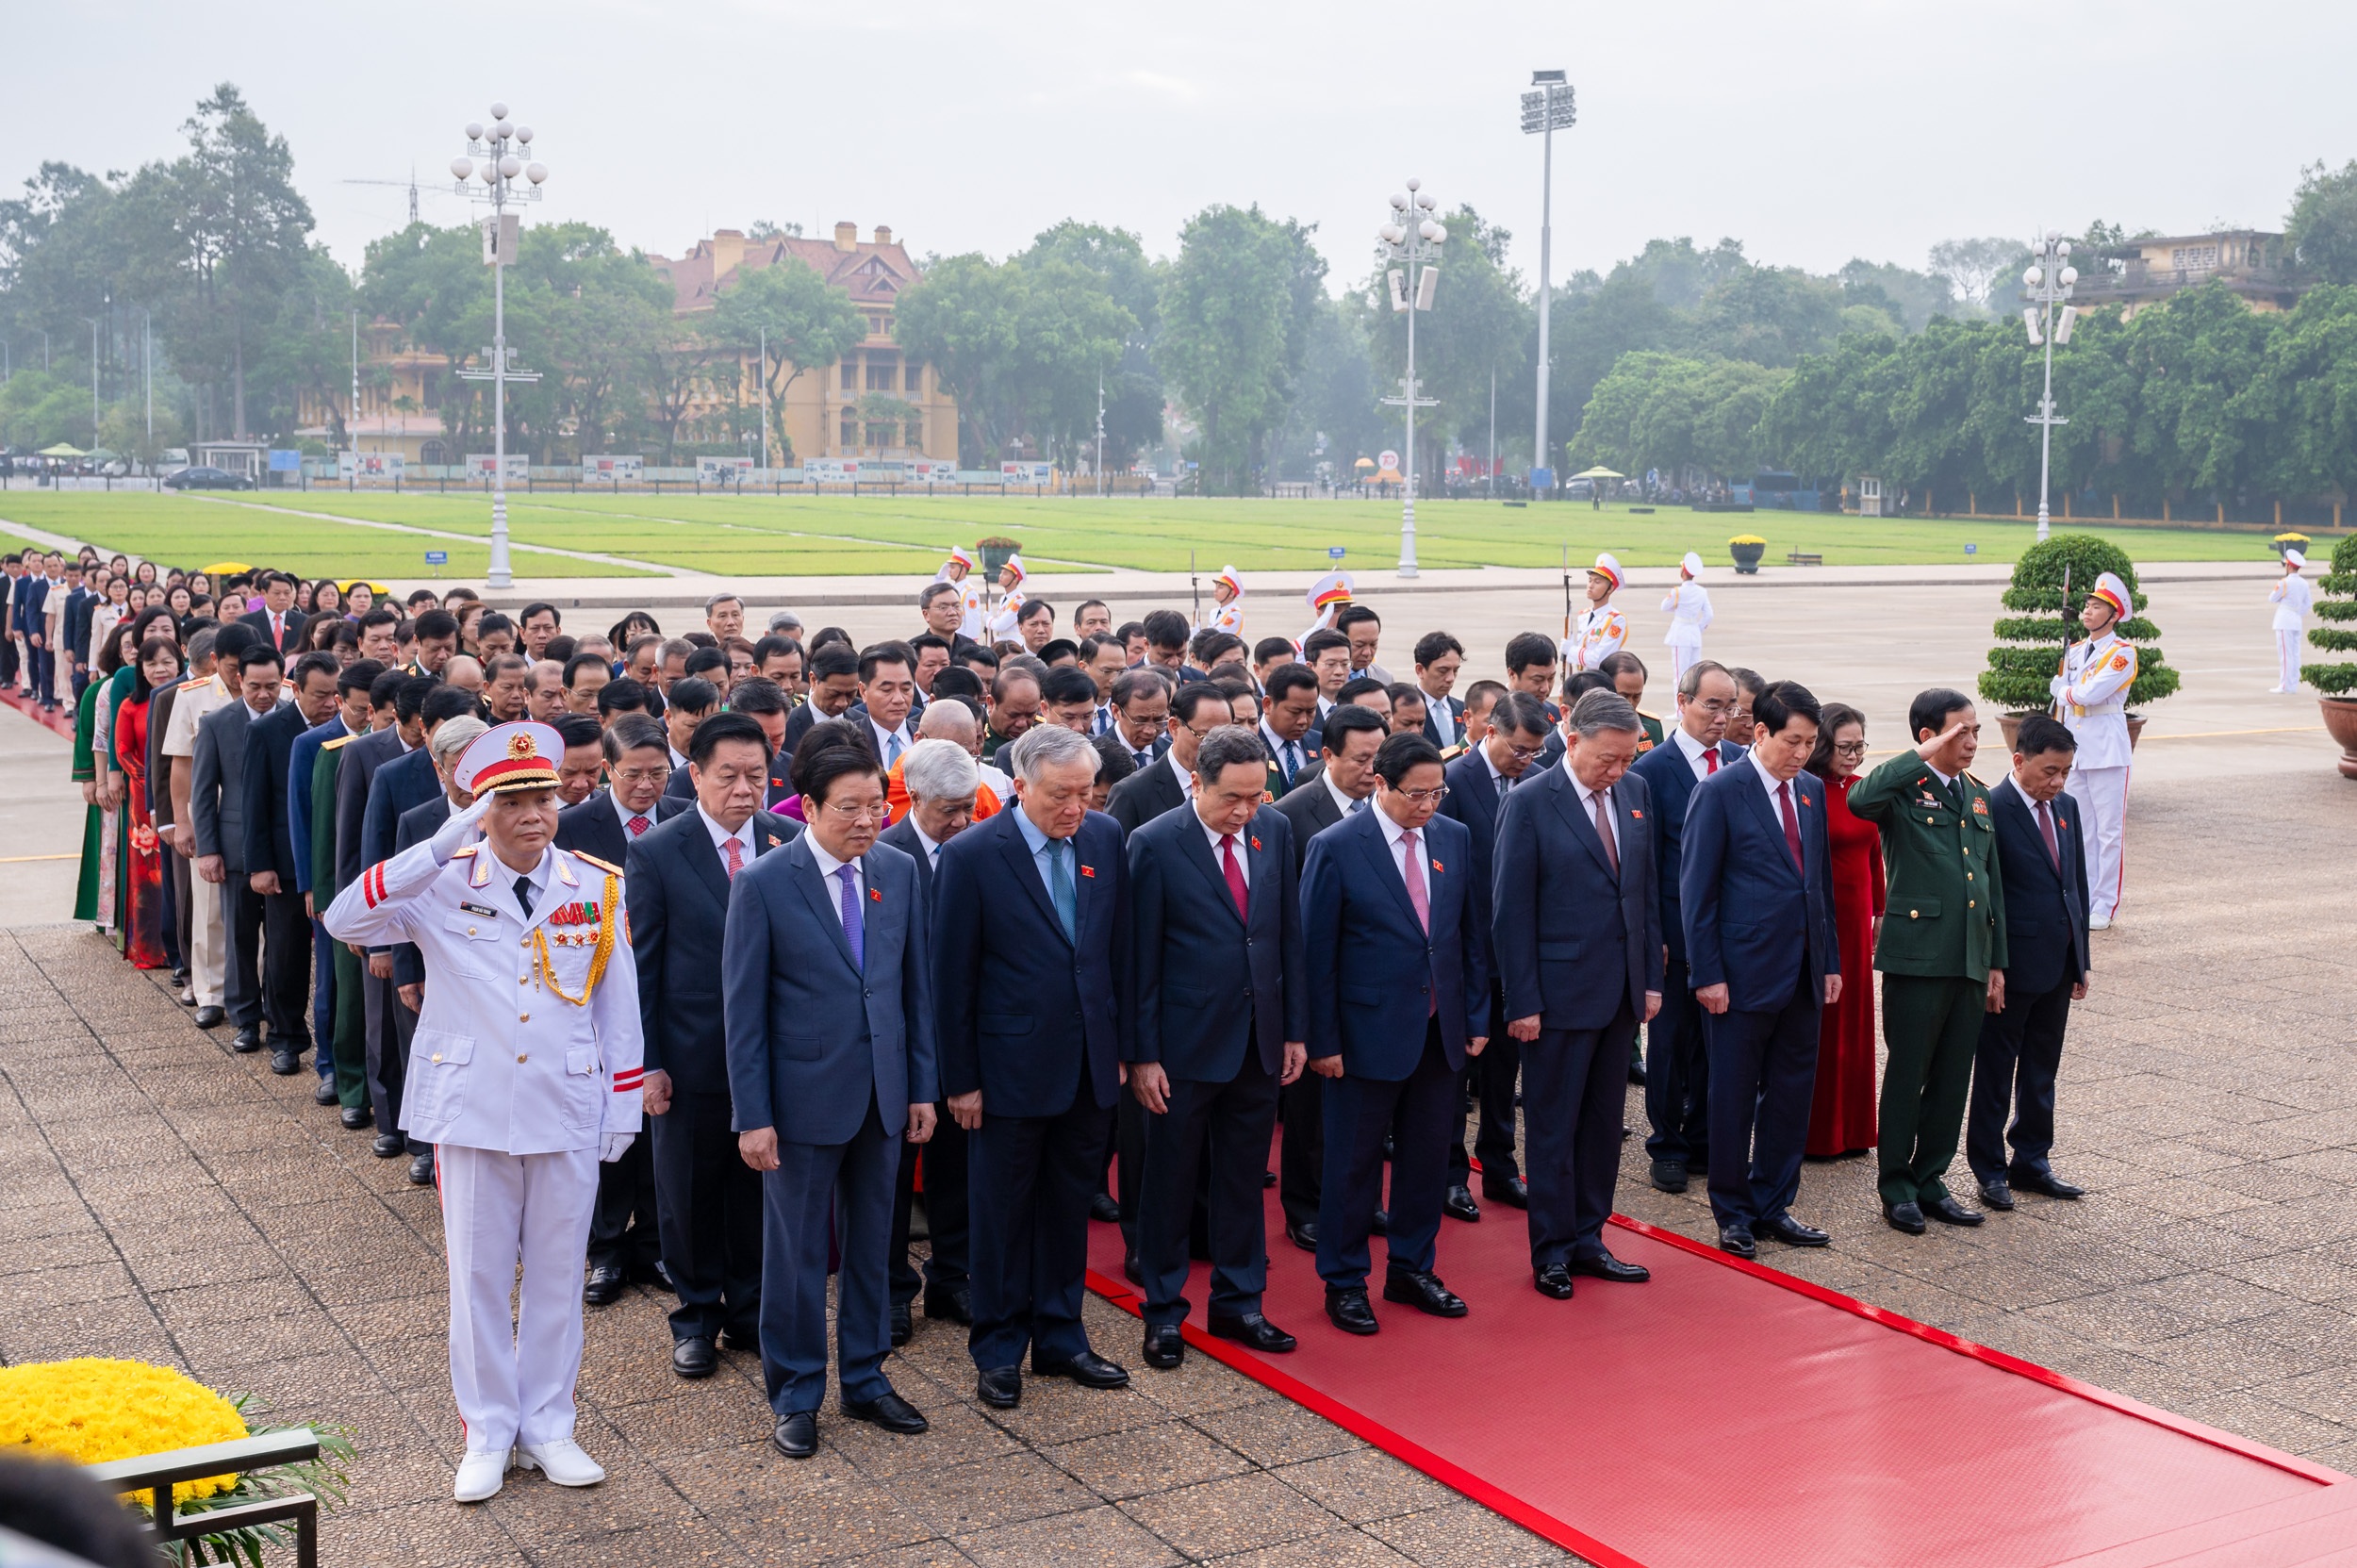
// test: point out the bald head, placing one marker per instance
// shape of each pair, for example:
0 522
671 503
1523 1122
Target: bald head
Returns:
947 721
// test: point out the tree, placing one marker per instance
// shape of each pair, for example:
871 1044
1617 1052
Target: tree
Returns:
2337 609
608 315
962 320
1477 330
1971 265
1768 315
1133 389
1236 305
1912 298
808 323
2031 642
1658 410
2322 228
307 347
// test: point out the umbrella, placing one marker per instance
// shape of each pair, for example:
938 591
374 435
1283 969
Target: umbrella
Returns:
225 569
1599 472
61 450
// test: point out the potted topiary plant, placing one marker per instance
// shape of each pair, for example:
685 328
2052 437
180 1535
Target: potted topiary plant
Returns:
2335 683
2031 640
1747 549
995 550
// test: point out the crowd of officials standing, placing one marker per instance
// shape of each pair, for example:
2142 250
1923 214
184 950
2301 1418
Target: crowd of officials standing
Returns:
1062 930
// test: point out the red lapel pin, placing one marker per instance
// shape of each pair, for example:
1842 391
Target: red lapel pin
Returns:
1088 870
1256 842
875 895
1435 867
1640 816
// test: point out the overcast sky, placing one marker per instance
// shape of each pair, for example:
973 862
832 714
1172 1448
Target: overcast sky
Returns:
1812 130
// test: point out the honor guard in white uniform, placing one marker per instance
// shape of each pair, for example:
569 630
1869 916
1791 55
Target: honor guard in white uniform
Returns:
2092 693
525 1071
1325 597
2291 596
1227 604
1601 630
958 569
1002 625
1689 608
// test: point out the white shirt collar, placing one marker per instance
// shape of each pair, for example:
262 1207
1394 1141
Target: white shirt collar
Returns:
1214 837
1325 777
1392 832
720 835
1497 775
883 735
932 848
1774 785
828 864
1186 775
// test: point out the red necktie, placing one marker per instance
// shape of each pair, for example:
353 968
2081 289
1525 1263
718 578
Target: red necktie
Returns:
736 858
2046 826
1604 830
639 825
1235 877
1710 762
1791 826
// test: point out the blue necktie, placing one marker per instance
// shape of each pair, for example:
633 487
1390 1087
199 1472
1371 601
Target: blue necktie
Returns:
851 932
892 748
1356 806
1060 884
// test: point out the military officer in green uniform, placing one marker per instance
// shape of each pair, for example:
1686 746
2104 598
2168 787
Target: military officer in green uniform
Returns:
1941 950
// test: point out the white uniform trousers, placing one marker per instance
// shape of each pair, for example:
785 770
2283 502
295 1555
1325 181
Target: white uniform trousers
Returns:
2103 824
1682 655
209 937
2286 660
512 1373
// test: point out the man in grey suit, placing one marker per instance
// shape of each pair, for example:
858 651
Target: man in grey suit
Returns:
217 795
830 1040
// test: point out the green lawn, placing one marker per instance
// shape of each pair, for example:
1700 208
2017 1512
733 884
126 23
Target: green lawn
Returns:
837 536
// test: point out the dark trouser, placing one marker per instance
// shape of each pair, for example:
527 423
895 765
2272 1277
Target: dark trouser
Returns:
348 1043
389 1023
815 1188
708 1203
1575 1082
45 676
2013 1069
622 1231
186 889
1129 1164
946 1224
1416 1111
324 949
1301 1164
286 969
1490 1078
1931 1027
242 917
1219 1130
1763 1071
1677 1076
1030 1182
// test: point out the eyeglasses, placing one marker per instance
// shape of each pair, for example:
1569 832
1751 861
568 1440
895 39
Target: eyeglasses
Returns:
1525 752
1713 705
1849 748
1425 797
643 775
850 814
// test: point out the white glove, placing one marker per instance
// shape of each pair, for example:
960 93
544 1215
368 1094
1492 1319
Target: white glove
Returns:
459 831
614 1145
2058 688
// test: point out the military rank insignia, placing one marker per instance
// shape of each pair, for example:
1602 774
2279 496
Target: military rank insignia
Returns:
1980 805
582 917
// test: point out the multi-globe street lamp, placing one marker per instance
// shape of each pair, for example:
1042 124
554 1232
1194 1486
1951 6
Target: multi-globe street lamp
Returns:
501 148
2046 283
1544 113
1412 238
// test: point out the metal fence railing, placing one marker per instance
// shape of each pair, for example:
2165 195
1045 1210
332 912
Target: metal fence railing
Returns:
156 1474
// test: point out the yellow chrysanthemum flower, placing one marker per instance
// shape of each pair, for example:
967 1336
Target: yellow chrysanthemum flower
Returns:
92 1409
1747 539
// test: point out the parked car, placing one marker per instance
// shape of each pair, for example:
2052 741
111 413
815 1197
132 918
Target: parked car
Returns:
208 479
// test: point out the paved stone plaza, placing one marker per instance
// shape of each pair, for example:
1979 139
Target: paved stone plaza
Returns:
161 1198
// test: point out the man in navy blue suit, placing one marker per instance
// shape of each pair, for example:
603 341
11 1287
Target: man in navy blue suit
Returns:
1678 1067
825 986
2042 860
1578 924
1757 889
1222 1023
1032 985
1396 928
270 856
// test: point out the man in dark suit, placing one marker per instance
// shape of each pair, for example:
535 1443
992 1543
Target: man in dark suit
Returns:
637 764
1032 982
278 624
1578 927
218 798
1397 934
707 1200
942 780
831 1067
418 825
270 856
1222 1023
1167 782
1439 657
1142 713
2043 858
362 759
834 690
1677 1064
1341 787
1477 784
32 626
1756 893
1290 727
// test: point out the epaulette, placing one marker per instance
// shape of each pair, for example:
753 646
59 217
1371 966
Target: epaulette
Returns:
197 681
1453 752
463 854
1970 780
1655 717
331 745
608 867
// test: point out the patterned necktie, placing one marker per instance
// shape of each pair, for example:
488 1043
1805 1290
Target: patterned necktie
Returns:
1412 868
1236 888
1292 761
1791 826
1060 883
852 932
1604 830
2046 826
636 825
1356 808
736 858
523 895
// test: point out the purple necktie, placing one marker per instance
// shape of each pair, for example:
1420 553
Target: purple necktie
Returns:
849 877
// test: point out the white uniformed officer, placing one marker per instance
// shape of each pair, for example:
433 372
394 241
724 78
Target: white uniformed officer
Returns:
1601 630
1011 601
2291 596
958 569
1325 597
2092 691
1689 608
524 1070
1228 604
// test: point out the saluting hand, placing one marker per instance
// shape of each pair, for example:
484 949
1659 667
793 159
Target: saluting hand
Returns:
1940 749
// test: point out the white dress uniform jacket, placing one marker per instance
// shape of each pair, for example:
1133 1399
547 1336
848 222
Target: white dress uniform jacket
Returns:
2093 688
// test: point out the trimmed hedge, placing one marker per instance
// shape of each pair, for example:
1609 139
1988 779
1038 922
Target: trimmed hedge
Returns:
2339 605
2030 650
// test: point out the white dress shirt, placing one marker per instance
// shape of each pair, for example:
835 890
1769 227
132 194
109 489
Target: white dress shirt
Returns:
932 851
720 836
1697 755
1216 838
1444 719
1395 839
1588 799
884 738
828 867
1287 752
1341 799
1186 774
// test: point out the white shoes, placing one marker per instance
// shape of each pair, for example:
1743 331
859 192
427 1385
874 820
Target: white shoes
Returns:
2098 922
481 1476
561 1461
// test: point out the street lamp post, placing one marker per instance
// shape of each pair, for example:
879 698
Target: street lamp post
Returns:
501 146
2047 283
93 378
1544 113
1412 238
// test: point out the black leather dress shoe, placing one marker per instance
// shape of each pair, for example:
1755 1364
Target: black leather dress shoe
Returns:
1736 1240
1165 1347
2046 1181
1422 1290
247 1040
1513 1191
421 1169
210 1018
694 1357
1349 1312
1304 1235
1668 1176
389 1144
1129 1269
651 1275
890 1412
951 1303
1381 1224
1458 1203
1254 1332
1088 1369
1604 1265
283 1061
356 1117
325 1093
1790 1231
1554 1282
796 1435
1948 1212
999 1387
902 1326
1903 1216
1997 1196
604 1286
1637 1073
1105 1209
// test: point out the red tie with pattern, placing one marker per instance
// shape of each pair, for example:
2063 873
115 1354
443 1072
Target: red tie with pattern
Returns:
736 858
639 825
1235 877
1604 830
1791 826
2046 826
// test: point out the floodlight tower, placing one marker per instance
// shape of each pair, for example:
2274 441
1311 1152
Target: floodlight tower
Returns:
1544 113
503 147
2047 282
1412 238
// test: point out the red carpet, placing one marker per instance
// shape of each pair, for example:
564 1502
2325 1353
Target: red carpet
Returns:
61 721
1725 1415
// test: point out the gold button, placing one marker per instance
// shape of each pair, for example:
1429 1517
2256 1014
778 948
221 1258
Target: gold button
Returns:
521 1059
1968 876
523 1017
524 979
470 931
1926 819
437 1056
1971 903
1910 915
1968 852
